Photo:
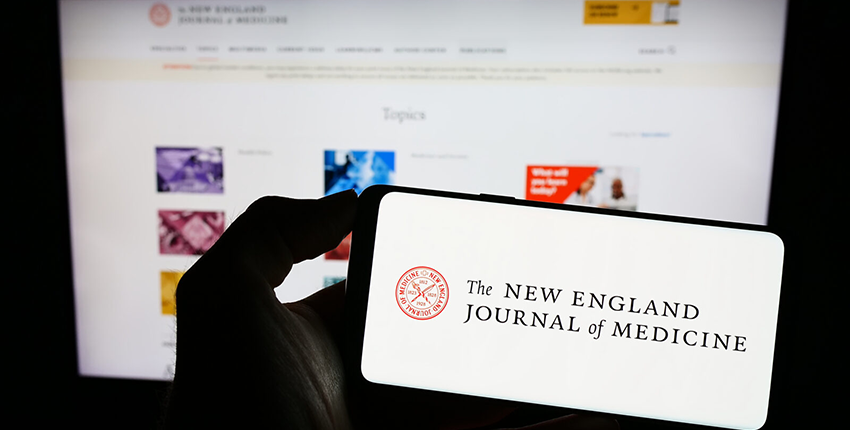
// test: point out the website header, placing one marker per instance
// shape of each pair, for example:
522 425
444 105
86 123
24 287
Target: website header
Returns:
541 31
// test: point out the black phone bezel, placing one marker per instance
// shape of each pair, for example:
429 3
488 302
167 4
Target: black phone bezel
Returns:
360 271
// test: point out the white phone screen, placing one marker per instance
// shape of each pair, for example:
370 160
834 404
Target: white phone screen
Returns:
603 313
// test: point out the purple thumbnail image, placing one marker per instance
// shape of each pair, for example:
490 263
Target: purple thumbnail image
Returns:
189 170
189 232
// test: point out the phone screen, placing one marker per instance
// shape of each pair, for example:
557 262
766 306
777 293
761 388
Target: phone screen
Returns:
589 311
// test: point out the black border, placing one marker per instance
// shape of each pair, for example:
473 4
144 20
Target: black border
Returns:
811 129
360 272
44 367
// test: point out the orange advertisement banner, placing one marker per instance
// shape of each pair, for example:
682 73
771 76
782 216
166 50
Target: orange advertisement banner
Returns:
631 12
554 184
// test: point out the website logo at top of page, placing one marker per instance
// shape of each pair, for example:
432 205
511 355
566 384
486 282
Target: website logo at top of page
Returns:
422 293
160 15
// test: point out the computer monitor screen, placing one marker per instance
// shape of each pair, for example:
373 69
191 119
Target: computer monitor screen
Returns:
179 114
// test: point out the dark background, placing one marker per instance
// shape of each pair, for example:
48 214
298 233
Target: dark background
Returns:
39 345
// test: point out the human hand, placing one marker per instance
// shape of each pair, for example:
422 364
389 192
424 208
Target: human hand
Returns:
243 358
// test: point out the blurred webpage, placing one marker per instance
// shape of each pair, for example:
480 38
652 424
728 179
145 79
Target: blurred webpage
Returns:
180 114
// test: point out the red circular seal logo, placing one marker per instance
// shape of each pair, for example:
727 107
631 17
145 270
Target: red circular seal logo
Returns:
422 293
160 15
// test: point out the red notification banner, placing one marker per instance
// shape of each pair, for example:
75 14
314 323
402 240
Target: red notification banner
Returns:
554 184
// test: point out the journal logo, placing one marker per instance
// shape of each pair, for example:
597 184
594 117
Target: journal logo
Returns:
160 15
422 293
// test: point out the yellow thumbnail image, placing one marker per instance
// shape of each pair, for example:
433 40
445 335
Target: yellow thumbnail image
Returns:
631 12
168 286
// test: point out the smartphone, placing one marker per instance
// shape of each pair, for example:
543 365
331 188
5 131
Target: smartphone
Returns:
624 313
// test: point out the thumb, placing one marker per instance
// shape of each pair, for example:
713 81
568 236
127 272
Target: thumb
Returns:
274 233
